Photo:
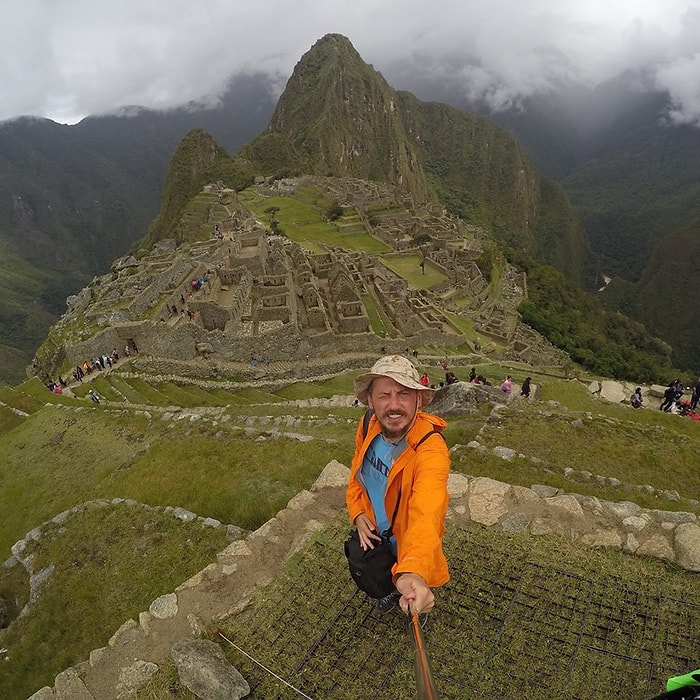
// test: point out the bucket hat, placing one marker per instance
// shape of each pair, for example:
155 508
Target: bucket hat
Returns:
398 368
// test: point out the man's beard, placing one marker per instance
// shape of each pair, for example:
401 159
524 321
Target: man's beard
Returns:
393 435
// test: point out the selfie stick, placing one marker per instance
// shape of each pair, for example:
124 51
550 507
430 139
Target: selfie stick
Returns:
424 675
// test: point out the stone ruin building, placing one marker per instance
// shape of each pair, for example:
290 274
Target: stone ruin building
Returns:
255 294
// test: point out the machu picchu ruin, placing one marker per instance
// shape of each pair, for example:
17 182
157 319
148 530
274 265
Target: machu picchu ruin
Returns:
246 291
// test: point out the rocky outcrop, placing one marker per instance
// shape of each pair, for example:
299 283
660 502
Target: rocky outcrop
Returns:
203 669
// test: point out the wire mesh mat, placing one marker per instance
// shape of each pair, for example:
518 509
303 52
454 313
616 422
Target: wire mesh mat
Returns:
506 626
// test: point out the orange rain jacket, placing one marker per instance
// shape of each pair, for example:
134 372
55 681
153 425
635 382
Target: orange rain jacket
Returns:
420 520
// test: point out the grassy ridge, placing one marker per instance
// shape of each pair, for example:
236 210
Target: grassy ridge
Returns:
302 219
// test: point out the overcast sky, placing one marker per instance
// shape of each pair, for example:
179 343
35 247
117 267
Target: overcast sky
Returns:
65 59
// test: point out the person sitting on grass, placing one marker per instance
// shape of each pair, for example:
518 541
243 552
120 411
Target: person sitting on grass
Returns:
636 398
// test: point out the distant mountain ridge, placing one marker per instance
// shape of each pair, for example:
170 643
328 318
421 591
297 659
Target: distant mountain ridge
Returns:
73 198
633 179
60 226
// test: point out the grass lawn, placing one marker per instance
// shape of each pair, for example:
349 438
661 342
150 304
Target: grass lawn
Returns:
409 267
377 318
464 324
303 222
109 564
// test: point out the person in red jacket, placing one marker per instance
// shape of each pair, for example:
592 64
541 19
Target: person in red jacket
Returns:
401 458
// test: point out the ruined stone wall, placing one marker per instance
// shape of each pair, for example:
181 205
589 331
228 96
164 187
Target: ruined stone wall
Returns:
161 284
406 321
321 265
274 300
316 317
241 297
311 297
443 287
105 341
176 342
431 320
278 280
287 343
352 318
353 324
274 313
267 291
389 290
230 276
151 337
251 254
211 315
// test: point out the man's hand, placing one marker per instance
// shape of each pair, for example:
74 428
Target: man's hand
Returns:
415 590
367 531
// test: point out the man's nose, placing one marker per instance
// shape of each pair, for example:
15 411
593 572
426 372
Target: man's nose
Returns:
394 401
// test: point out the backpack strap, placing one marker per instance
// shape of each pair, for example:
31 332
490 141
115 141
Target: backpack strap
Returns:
365 422
389 532
427 435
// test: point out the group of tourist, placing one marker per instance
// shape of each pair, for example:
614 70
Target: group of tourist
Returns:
184 311
57 386
93 364
451 378
673 401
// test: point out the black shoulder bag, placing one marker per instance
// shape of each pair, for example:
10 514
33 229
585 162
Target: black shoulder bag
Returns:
371 568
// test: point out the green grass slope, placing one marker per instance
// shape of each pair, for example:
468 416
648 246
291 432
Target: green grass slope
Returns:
240 462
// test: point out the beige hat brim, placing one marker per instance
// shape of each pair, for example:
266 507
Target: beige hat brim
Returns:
364 380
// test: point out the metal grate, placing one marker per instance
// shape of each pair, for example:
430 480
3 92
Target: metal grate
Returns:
506 626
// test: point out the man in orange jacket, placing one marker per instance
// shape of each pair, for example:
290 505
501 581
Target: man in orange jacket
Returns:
401 458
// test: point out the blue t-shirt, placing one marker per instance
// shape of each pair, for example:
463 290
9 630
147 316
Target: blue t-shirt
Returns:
374 475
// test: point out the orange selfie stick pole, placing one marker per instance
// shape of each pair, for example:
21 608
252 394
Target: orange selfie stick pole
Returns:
424 674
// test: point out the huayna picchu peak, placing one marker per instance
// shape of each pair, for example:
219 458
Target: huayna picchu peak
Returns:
339 117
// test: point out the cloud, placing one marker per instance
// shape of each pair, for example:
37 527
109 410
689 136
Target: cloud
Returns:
679 75
69 58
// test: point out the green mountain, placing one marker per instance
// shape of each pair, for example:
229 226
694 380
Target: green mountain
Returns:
197 160
77 197
338 116
339 119
74 198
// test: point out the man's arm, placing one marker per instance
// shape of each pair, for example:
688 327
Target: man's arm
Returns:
354 492
420 547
